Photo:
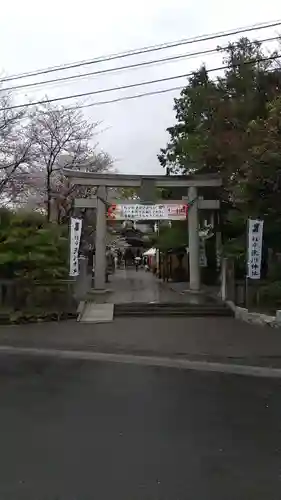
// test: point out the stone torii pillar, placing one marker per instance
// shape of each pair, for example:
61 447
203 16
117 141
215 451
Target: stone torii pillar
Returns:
193 240
100 240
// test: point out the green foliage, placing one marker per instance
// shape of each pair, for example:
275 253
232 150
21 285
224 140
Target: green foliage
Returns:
271 294
262 181
213 116
34 316
172 237
30 248
274 270
231 126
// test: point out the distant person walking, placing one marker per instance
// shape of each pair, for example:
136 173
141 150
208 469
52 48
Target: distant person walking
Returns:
137 262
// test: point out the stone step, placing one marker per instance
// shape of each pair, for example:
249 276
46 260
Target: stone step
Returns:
96 313
175 309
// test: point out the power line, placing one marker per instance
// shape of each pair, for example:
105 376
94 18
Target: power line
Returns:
127 98
138 84
109 70
121 68
145 50
137 96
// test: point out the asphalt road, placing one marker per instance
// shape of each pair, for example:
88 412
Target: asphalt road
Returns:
76 430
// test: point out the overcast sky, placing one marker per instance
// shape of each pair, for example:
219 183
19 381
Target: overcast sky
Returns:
37 35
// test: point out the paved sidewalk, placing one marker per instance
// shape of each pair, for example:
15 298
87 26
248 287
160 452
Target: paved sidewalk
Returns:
210 339
129 285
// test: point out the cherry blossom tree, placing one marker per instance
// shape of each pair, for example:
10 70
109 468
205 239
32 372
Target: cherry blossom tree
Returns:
15 148
35 146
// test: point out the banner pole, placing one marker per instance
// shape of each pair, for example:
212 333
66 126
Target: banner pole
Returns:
247 268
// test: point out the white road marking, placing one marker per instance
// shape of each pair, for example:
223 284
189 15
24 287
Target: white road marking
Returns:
183 364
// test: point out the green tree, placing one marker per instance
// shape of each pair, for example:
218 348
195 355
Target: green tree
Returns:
213 115
261 187
31 249
173 237
219 124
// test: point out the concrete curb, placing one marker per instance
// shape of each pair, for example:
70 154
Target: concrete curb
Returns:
255 318
182 364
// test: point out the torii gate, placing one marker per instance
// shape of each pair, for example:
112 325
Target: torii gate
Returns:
150 183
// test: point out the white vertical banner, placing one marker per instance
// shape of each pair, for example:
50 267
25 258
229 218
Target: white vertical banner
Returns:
75 236
255 235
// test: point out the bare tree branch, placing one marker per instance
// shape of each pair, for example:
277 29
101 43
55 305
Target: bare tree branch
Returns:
36 146
61 138
14 145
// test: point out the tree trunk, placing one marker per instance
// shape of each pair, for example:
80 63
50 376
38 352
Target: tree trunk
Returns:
48 187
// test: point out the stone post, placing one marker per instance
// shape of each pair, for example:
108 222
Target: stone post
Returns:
100 241
217 229
83 280
227 279
193 240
